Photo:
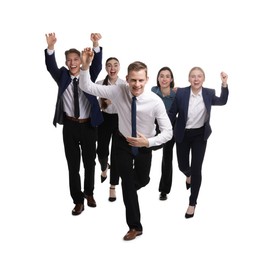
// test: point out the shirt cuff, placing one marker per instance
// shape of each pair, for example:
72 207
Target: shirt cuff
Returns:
96 49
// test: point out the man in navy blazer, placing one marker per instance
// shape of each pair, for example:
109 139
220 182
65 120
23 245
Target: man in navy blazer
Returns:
79 131
190 112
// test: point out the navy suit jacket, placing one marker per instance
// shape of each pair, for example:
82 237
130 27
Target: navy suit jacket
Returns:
178 112
63 79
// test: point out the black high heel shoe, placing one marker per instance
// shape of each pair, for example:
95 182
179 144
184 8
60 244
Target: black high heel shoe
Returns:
112 198
187 215
102 177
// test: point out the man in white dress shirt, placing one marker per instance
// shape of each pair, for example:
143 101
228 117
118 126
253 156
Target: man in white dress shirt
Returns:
134 170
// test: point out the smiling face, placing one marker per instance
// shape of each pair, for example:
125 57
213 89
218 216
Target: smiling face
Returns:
137 78
196 79
137 81
165 79
73 61
112 68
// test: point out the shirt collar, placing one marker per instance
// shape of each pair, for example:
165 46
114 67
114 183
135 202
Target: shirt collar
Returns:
194 95
73 77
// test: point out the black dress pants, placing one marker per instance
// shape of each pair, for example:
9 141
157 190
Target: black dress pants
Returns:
134 173
166 177
80 140
106 132
190 155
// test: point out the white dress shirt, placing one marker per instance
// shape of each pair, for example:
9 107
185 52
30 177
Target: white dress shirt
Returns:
68 102
197 112
149 107
111 108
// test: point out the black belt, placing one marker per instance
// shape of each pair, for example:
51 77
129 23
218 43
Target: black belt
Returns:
194 129
74 119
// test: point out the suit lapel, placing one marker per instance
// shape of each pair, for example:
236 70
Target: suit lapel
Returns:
186 99
206 99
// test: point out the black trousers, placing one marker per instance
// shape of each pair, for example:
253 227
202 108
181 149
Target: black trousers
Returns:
190 154
106 133
80 140
134 173
166 177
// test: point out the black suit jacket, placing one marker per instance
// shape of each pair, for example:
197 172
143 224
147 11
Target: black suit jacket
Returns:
63 79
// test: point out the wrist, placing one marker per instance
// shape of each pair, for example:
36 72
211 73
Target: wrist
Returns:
84 67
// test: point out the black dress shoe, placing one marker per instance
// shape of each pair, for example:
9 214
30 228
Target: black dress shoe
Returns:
163 196
132 234
90 200
79 207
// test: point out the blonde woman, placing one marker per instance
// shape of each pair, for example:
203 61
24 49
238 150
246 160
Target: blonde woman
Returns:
191 110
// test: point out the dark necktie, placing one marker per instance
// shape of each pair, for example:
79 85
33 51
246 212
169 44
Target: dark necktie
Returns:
76 97
133 113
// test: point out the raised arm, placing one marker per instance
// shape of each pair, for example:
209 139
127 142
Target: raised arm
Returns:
222 100
96 64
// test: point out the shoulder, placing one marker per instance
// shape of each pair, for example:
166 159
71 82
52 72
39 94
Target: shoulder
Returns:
172 93
183 90
152 96
208 90
121 82
155 89
182 93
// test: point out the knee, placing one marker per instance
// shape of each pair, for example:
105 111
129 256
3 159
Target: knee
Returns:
185 171
141 184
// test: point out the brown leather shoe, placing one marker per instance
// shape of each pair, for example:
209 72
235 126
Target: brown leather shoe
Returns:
78 209
91 201
132 234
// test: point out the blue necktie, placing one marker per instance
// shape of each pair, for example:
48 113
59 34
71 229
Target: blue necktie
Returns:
133 113
76 97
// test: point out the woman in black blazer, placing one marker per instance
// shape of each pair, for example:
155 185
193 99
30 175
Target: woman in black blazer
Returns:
191 113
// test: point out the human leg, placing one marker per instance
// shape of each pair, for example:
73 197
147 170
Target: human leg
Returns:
183 158
72 153
166 176
88 147
130 197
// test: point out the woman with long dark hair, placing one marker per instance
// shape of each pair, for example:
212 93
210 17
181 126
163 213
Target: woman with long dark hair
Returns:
109 128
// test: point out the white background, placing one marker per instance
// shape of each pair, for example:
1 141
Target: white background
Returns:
35 205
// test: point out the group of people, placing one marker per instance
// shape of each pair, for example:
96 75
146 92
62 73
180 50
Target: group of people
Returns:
135 121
